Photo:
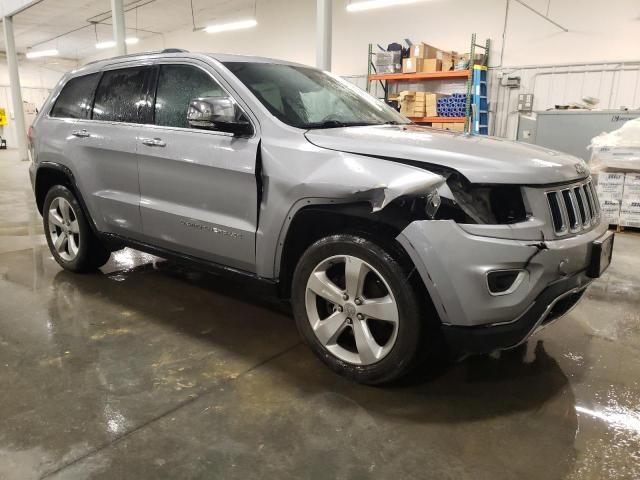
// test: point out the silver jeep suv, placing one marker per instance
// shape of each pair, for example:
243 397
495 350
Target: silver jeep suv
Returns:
384 235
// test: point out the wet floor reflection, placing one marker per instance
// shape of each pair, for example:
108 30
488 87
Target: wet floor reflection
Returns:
89 358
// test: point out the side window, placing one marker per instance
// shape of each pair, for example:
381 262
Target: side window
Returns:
121 96
177 86
76 97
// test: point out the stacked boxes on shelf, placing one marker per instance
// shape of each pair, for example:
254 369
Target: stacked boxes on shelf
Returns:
411 103
630 206
424 58
418 104
452 105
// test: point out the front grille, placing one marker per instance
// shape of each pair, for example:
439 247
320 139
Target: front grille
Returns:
574 208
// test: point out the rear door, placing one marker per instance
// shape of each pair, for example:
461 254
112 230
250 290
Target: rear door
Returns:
55 130
106 161
198 187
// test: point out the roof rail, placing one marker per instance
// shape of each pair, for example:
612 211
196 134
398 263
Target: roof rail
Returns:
154 52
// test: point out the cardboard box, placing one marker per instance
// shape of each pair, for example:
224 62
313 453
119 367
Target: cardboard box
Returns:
615 159
455 127
610 211
411 65
629 220
431 65
418 104
411 103
411 110
432 98
610 186
611 178
463 59
448 59
631 205
423 50
631 192
437 125
630 211
632 179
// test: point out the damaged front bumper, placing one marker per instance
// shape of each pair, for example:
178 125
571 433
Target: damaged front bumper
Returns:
454 265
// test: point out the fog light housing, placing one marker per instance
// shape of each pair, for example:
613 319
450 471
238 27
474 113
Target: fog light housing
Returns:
504 282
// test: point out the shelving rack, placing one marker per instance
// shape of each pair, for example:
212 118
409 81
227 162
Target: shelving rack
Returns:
477 108
480 106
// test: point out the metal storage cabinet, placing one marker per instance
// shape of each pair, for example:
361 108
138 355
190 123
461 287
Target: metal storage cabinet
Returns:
571 131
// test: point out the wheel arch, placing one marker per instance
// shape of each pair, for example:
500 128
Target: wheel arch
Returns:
316 219
50 174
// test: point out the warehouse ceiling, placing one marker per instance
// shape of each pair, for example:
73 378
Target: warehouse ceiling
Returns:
75 26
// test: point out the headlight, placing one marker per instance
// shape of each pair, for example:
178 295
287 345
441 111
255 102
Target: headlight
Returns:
488 204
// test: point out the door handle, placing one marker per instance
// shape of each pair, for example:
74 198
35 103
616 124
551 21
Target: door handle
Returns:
80 133
153 142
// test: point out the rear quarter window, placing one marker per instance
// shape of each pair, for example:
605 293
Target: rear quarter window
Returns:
76 97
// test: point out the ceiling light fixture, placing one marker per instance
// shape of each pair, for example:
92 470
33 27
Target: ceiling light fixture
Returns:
42 53
112 43
371 4
225 27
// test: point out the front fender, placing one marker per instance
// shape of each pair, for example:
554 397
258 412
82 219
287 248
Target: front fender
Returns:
362 178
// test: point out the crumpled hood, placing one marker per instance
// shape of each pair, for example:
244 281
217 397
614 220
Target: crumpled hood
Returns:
480 159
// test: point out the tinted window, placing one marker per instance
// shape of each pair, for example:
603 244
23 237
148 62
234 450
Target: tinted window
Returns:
121 96
177 86
75 98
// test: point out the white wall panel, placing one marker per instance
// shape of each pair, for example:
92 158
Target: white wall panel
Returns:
616 85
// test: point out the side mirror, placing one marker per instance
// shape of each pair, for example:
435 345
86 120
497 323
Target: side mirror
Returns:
218 113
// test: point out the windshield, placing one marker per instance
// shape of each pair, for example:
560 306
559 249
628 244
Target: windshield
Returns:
306 97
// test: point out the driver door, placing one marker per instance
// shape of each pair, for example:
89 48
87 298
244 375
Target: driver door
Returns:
198 187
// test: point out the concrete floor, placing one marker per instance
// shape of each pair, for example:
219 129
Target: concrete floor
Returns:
147 370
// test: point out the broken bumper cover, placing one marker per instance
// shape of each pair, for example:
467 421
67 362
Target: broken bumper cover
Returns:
454 265
555 301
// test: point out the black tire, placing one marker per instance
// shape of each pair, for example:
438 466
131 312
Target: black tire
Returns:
395 270
91 254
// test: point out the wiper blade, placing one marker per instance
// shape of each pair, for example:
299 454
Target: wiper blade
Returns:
336 124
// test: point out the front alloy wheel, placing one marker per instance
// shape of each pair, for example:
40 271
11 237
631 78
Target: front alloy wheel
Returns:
351 310
357 307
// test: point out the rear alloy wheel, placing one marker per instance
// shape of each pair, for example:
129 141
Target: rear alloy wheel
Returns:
71 241
356 308
64 229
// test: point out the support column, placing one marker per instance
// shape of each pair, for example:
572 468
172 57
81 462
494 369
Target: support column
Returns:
119 31
323 34
16 92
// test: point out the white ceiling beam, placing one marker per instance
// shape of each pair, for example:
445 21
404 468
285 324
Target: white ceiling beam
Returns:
8 8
